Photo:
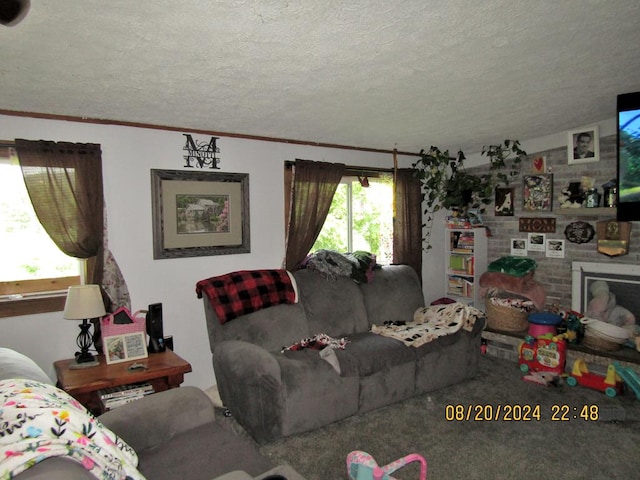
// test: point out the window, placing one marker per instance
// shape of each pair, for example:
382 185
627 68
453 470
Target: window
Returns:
360 218
35 274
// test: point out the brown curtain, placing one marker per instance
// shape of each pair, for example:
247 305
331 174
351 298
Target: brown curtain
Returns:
407 224
64 181
313 187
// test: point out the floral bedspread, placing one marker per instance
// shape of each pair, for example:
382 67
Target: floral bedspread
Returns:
38 421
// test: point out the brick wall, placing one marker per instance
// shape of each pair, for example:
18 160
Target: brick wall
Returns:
555 273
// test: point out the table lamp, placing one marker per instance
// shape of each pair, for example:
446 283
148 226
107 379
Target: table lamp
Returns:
84 302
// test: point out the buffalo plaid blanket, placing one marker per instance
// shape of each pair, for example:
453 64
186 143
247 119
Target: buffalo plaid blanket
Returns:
246 291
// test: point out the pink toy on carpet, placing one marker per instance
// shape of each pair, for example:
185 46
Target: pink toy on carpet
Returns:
362 466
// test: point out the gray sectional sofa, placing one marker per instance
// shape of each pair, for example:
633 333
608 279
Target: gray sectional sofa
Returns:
174 433
274 394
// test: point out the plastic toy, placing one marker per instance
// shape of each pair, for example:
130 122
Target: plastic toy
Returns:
362 466
629 377
543 354
611 384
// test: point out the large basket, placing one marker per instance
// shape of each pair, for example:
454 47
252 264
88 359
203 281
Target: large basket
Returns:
509 319
596 342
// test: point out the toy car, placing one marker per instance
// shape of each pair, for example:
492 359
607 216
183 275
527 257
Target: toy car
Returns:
611 384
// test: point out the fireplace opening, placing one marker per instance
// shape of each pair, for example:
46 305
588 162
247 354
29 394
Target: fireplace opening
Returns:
623 281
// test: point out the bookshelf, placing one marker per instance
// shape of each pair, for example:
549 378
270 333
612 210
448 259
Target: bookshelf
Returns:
466 260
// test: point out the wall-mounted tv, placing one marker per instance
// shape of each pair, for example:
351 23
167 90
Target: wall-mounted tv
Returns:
628 109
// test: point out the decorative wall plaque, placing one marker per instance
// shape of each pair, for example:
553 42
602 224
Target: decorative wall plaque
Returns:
537 224
579 232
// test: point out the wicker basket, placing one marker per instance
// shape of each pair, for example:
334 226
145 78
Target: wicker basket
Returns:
596 342
508 319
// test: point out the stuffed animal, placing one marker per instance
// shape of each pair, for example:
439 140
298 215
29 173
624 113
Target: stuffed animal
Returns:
571 196
603 307
602 300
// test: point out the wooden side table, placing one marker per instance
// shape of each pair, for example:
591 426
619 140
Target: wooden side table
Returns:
163 370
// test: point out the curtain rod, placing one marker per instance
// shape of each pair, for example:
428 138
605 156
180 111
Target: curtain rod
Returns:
353 168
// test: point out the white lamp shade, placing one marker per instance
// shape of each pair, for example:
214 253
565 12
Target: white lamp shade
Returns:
84 301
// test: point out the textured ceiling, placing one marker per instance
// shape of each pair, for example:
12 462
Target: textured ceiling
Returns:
380 74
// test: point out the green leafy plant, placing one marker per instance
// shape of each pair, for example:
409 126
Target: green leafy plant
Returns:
446 183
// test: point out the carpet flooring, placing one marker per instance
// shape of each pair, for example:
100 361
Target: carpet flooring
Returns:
487 448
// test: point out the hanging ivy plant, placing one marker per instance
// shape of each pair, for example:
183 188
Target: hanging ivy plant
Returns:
446 184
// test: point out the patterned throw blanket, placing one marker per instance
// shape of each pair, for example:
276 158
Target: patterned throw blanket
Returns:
38 421
430 323
246 291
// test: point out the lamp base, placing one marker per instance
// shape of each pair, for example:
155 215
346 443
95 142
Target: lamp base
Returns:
79 366
84 357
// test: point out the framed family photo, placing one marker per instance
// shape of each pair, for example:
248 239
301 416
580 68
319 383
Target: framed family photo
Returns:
583 145
122 348
199 213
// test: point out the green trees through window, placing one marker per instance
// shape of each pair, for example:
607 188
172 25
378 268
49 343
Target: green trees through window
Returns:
360 218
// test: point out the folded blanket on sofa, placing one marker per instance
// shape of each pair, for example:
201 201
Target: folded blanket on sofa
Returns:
246 291
38 421
430 323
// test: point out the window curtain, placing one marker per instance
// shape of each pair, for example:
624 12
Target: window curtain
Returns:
407 222
313 187
64 182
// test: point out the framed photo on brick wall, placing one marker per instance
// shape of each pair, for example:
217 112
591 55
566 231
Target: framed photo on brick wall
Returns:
504 202
583 145
538 192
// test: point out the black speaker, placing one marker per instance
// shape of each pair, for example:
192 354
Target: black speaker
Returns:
154 328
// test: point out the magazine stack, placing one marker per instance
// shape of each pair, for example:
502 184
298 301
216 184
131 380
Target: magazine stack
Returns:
115 397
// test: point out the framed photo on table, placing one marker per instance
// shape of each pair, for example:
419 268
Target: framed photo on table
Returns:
123 348
583 145
199 213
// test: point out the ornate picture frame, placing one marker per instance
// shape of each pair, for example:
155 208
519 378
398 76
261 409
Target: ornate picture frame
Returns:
583 145
199 213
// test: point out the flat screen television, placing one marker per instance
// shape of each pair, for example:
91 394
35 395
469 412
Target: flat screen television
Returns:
628 110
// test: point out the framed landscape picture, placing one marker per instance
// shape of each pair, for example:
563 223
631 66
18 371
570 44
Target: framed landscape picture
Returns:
538 192
199 213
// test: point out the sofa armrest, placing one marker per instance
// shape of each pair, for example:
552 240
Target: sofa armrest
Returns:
247 362
250 385
156 419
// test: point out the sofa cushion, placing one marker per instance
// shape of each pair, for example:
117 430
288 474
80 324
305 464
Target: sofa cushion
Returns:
16 365
332 306
368 353
394 294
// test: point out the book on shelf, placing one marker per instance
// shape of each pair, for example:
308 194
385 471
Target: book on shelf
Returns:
461 264
460 286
